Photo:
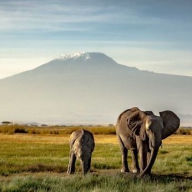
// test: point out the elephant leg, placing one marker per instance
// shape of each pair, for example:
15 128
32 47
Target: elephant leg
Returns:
124 152
135 163
71 166
86 164
89 164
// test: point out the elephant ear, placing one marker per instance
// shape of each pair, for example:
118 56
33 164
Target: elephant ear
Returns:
170 123
135 124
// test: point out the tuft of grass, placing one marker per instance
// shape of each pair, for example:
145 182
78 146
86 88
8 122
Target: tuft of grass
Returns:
189 160
163 152
45 168
101 165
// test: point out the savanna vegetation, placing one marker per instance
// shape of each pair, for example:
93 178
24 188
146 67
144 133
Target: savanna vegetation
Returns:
63 130
56 130
36 160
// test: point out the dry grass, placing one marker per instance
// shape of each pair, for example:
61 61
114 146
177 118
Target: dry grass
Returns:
63 130
100 139
55 130
178 139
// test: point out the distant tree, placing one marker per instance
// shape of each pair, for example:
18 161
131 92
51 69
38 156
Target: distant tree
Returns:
6 122
44 125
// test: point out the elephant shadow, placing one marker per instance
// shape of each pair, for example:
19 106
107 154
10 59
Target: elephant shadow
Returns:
170 177
160 178
165 179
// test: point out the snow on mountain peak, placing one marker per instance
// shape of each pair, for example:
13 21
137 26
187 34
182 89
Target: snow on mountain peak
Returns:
76 55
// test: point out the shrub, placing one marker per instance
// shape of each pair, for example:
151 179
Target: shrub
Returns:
20 130
184 131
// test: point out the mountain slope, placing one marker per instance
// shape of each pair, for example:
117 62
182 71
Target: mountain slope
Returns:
89 88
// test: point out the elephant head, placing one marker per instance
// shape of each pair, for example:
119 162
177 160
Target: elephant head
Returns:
152 130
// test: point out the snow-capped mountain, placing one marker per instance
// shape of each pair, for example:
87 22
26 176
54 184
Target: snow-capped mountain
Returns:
76 55
90 88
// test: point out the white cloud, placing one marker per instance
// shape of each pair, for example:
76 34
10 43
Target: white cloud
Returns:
38 15
61 16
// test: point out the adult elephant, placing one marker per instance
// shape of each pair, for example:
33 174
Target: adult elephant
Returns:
142 132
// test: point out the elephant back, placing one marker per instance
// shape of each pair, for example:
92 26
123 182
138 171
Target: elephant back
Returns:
81 142
129 120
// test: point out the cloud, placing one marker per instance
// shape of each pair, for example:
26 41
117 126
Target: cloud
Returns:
65 16
19 15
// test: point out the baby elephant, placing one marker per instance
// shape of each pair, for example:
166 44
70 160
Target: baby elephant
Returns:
81 146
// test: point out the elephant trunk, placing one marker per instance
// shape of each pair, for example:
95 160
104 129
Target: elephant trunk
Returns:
151 162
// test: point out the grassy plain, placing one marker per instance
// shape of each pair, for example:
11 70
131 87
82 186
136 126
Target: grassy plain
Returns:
38 162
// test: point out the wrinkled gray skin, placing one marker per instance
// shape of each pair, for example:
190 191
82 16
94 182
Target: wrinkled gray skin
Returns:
142 133
81 146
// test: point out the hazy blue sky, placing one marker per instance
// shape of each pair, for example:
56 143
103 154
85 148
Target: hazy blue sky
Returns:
155 35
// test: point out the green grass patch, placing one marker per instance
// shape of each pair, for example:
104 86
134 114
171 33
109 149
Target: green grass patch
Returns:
96 183
41 157
47 164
